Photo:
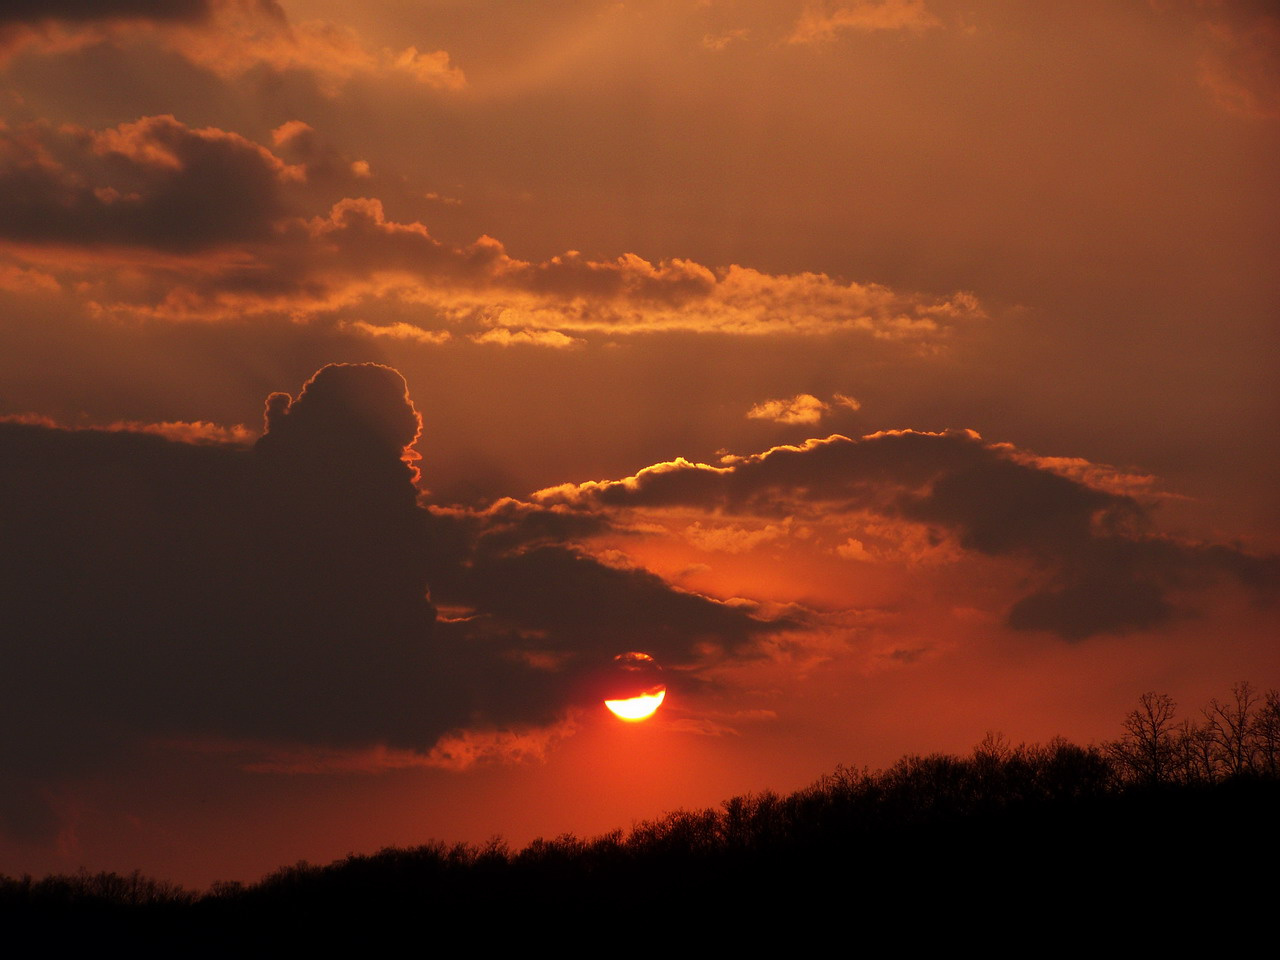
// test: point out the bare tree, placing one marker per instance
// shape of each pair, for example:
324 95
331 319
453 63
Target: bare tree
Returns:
1266 734
1147 749
1231 726
1197 753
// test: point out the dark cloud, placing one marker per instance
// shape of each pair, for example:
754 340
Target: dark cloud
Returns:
525 568
584 606
152 183
162 589
282 593
1092 604
1108 572
996 505
1114 584
347 417
35 11
208 586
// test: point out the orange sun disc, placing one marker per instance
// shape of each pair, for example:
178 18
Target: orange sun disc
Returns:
637 708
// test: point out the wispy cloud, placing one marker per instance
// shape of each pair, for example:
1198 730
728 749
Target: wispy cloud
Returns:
820 24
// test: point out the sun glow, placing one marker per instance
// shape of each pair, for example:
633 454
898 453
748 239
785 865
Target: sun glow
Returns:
638 708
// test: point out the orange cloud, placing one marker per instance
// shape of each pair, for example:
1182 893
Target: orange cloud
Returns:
506 337
182 431
229 38
853 549
458 750
189 431
732 538
465 748
849 403
802 408
1240 66
719 41
221 204
355 255
1101 476
818 24
397 331
245 34
26 280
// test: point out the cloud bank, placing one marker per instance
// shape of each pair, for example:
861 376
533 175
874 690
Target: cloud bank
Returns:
170 587
1103 568
212 227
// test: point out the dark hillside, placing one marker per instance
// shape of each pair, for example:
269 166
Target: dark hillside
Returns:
1062 840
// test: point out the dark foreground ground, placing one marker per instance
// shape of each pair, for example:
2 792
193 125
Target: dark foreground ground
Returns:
1036 851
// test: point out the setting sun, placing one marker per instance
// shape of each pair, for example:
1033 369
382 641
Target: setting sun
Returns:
637 708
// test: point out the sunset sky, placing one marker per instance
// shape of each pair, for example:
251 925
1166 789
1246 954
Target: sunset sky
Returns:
891 371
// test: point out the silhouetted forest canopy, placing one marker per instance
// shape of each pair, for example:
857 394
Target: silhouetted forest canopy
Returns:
1046 830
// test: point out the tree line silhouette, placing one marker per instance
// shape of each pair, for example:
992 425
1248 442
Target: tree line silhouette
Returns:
1236 737
1038 829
